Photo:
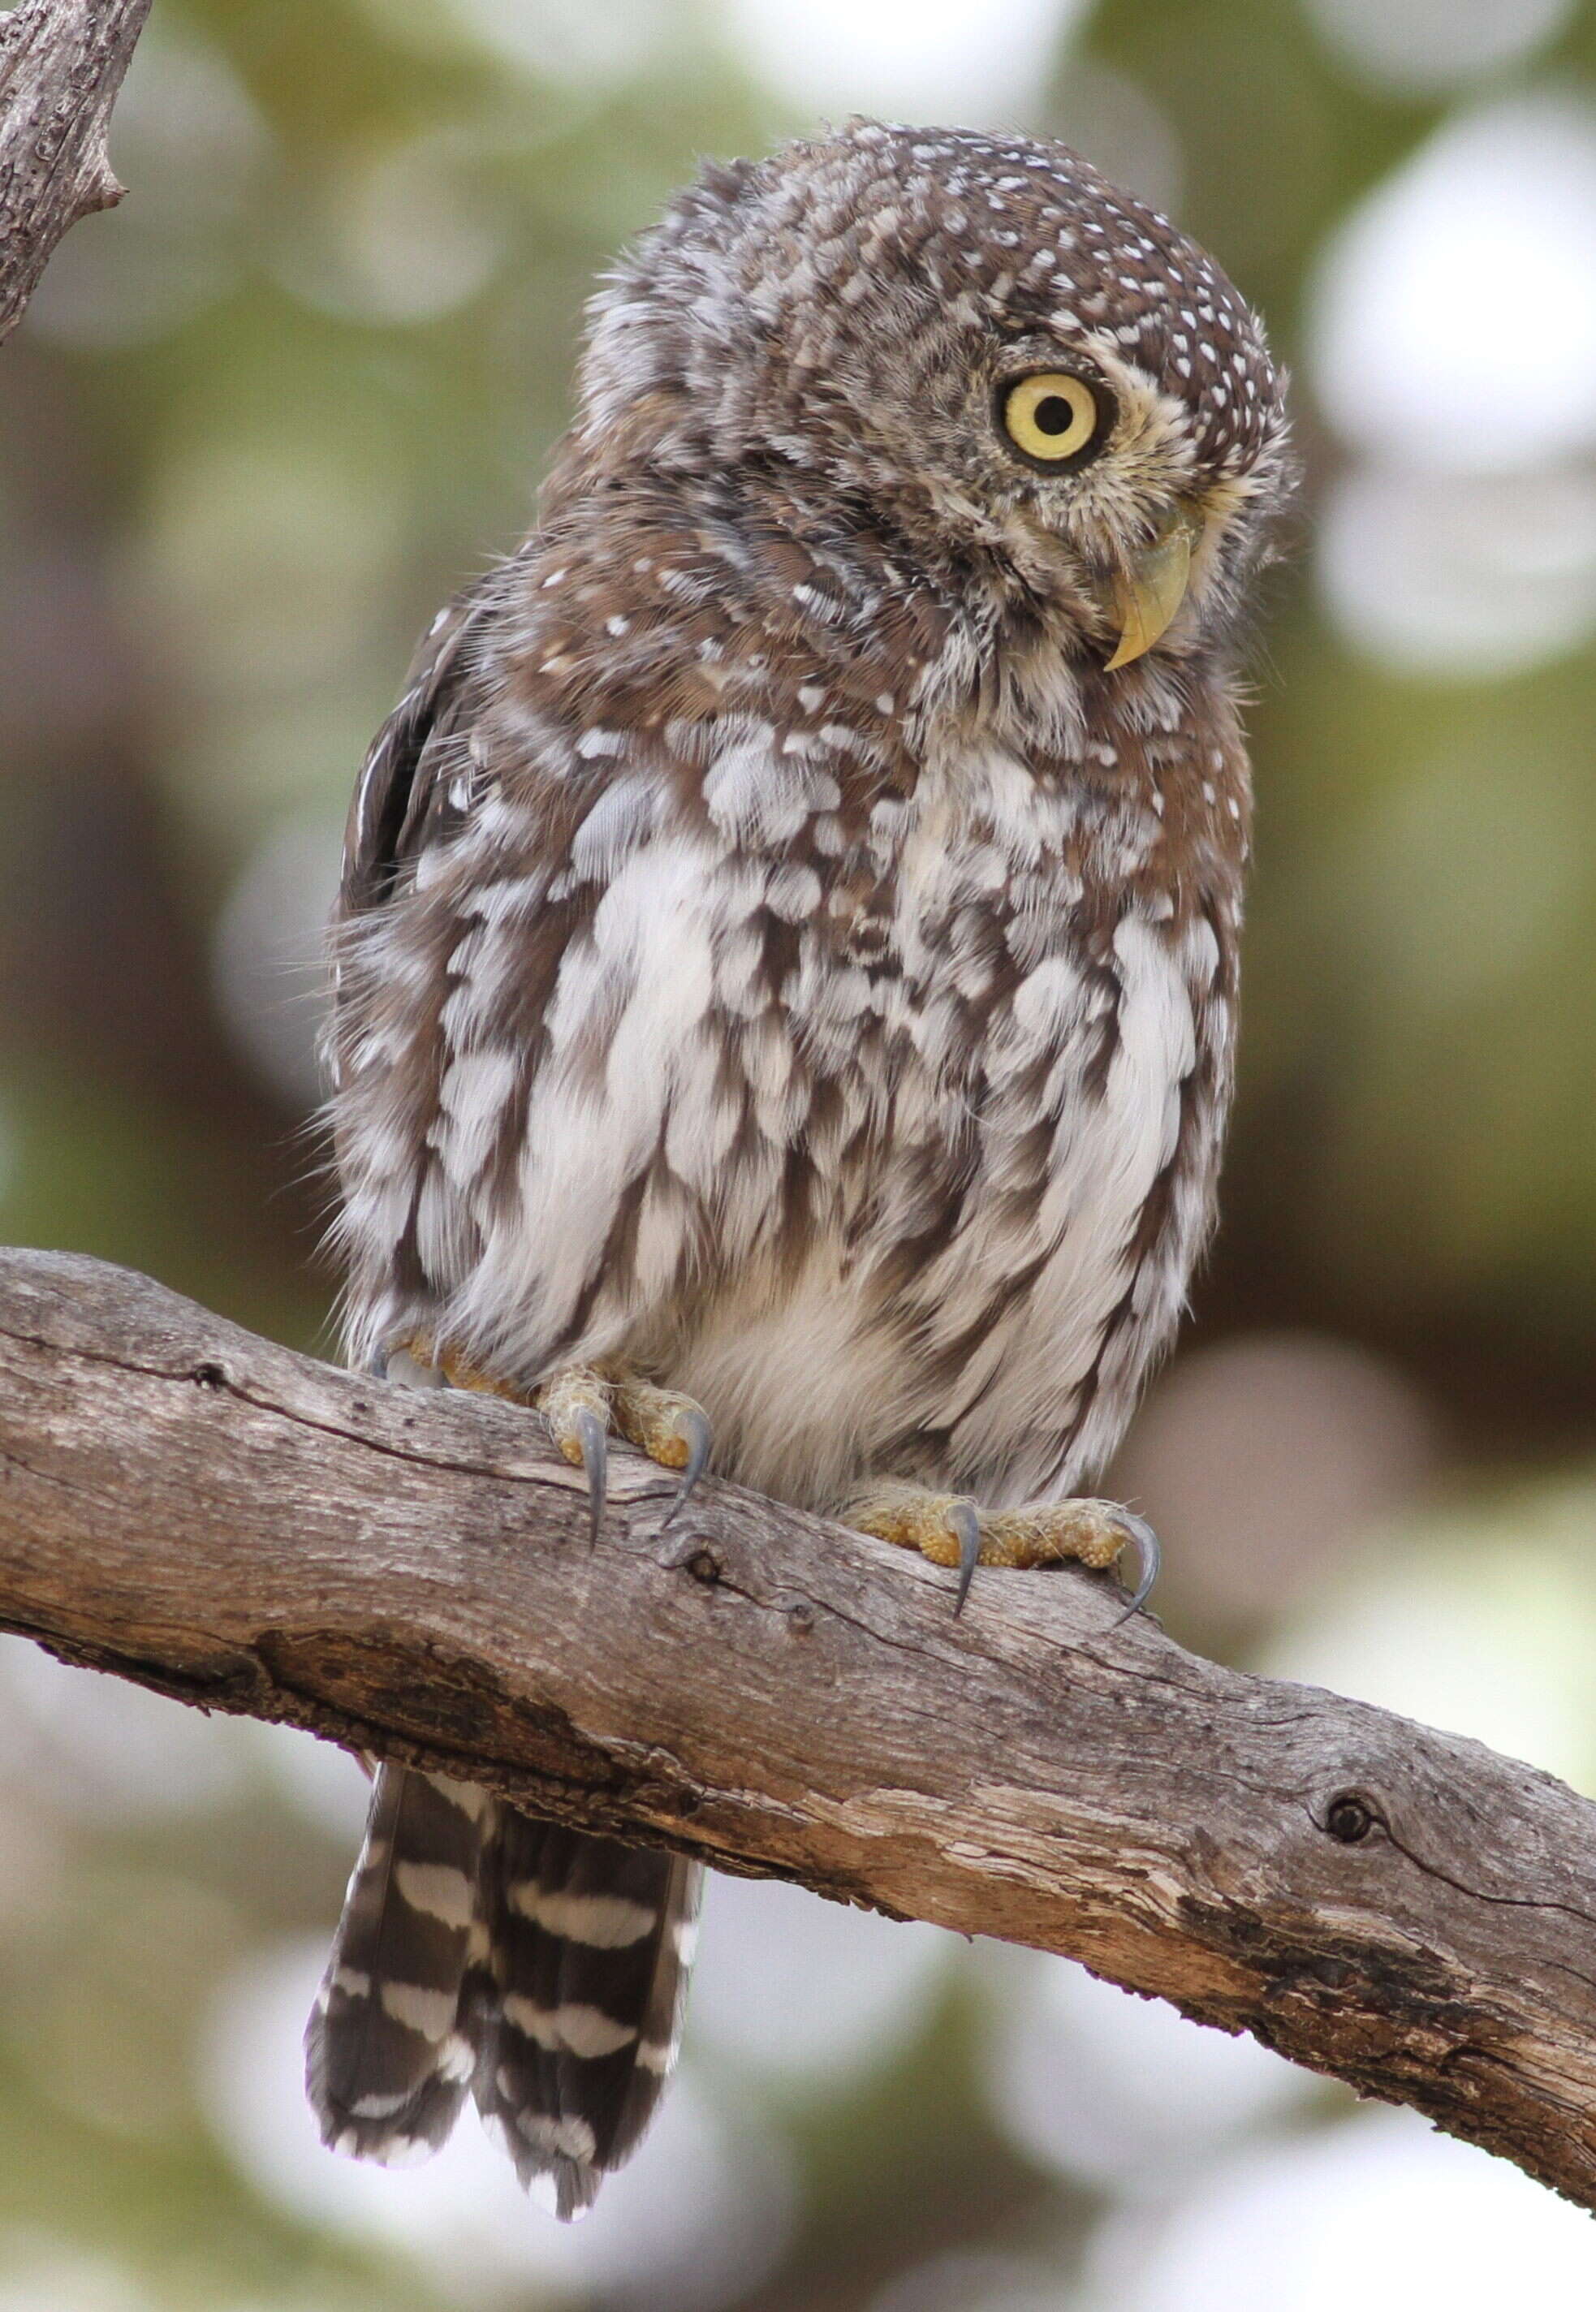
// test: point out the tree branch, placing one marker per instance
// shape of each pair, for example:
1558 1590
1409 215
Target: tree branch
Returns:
407 1572
61 65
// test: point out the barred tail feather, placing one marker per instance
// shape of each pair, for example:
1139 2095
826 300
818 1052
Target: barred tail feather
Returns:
589 1944
479 1947
387 2062
659 2043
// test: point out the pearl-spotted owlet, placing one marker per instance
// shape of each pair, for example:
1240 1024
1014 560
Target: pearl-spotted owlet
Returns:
785 972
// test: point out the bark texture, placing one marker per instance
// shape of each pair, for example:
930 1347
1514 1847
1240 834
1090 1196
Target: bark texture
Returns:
407 1572
61 65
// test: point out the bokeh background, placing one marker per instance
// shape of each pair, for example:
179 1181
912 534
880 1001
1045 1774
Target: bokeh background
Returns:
260 421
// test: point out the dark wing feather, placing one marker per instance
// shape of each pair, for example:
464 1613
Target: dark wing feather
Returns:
399 794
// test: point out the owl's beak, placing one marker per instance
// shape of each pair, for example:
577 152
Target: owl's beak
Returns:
1147 589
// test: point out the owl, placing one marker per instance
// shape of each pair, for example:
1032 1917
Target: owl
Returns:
785 974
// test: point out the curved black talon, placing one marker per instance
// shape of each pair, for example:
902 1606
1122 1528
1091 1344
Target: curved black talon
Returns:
594 1440
965 1520
1150 1556
700 1439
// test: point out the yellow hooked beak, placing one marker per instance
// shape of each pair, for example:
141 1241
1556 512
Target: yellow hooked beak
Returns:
1145 591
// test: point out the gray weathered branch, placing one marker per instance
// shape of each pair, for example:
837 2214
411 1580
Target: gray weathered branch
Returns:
61 65
408 1573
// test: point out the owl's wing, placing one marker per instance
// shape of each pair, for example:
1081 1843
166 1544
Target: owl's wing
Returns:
567 1088
508 1056
625 1009
395 804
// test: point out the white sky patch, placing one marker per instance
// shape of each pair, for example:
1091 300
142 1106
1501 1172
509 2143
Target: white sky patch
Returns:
1122 2093
1380 2208
106 1751
570 40
1430 574
1422 45
809 1989
948 63
321 1782
1504 1595
415 238
697 2217
1453 322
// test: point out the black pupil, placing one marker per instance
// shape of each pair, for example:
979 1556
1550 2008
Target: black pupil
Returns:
1053 414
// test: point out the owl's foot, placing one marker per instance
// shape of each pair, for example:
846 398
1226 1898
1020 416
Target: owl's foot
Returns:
587 1402
583 1404
950 1529
672 1429
576 1406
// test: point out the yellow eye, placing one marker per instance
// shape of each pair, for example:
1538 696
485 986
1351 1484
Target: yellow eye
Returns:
1051 418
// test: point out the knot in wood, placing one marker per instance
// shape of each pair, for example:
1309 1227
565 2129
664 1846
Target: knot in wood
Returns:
1349 1817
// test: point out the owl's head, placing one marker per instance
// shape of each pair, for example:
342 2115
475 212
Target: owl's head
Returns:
981 349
